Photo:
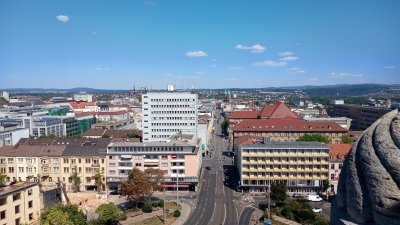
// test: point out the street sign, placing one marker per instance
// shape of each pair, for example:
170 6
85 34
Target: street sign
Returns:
267 221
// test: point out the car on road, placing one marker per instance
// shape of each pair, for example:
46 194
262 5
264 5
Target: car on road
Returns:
298 196
314 198
317 210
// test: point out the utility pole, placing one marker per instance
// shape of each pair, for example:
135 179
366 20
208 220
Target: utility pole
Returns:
165 214
177 183
269 201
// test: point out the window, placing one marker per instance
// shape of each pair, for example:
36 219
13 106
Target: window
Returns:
16 196
29 191
332 166
340 166
18 221
3 201
17 209
332 176
164 164
30 216
138 164
2 215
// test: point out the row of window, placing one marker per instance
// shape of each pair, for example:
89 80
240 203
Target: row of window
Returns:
171 99
285 167
283 174
287 151
280 134
145 149
284 159
173 124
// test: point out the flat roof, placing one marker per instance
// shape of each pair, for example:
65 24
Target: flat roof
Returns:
283 145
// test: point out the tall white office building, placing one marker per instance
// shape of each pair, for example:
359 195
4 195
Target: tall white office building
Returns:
168 113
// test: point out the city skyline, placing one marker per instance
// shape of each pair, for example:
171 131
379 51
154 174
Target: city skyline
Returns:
206 44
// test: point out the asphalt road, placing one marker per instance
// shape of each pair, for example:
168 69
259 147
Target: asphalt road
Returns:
215 204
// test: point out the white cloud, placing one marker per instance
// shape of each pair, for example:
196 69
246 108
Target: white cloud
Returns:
235 68
313 79
270 63
390 67
63 18
149 3
296 70
289 58
344 75
194 54
285 54
257 48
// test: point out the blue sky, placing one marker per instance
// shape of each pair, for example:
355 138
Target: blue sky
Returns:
208 44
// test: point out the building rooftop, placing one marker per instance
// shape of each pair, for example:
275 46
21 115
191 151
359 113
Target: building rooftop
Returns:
7 190
32 151
277 110
287 125
284 145
338 152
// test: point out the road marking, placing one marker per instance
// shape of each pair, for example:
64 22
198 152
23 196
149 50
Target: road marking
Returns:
223 222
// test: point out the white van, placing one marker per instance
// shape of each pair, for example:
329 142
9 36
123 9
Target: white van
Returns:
314 198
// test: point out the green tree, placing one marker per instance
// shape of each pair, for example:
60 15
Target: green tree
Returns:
105 136
76 180
137 185
132 135
98 180
278 191
315 137
2 178
346 139
156 180
325 185
109 214
224 124
60 214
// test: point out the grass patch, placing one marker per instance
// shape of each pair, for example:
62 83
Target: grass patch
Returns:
150 221
172 206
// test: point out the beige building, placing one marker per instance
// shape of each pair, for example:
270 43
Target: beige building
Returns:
177 158
302 166
53 160
19 204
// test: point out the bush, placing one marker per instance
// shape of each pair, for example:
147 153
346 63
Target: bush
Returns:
147 208
160 203
140 205
177 213
154 203
122 216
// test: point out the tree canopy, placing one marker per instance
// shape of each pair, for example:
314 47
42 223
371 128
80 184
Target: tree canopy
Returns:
278 191
315 137
156 179
137 185
346 139
76 180
108 214
60 214
98 180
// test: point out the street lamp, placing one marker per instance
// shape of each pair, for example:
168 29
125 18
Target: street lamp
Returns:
177 185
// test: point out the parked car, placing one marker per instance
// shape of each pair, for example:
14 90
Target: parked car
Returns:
317 210
298 196
314 198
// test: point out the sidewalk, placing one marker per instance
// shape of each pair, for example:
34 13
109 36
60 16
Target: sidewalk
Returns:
173 194
185 213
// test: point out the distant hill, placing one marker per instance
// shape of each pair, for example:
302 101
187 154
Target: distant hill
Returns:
347 89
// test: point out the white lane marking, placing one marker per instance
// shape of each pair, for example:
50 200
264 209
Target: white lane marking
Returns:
223 222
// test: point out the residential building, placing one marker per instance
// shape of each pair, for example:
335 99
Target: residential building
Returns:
178 158
203 131
11 133
362 116
19 204
342 121
168 113
106 116
288 130
302 166
55 160
337 155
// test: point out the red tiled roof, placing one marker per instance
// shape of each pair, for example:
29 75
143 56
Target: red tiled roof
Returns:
81 105
243 115
94 133
336 150
277 110
245 139
286 125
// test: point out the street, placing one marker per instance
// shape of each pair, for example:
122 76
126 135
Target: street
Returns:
215 202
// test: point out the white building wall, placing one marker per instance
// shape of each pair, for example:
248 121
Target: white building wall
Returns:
203 135
168 113
13 136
